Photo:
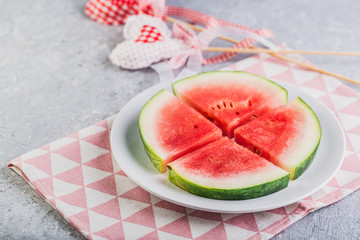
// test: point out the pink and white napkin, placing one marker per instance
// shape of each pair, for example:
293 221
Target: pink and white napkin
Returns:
78 176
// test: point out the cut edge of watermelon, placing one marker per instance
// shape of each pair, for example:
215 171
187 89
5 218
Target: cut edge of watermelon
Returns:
243 193
295 168
301 168
155 158
230 77
158 156
209 138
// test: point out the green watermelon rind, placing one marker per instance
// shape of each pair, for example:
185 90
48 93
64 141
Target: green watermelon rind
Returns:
301 168
155 159
231 72
228 194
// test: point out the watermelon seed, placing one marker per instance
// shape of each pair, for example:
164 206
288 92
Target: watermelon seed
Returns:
196 126
257 151
269 122
231 105
253 116
212 108
168 167
249 103
224 103
237 113
218 106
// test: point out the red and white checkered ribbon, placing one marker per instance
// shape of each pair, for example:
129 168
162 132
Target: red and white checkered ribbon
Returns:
203 19
115 12
157 6
195 44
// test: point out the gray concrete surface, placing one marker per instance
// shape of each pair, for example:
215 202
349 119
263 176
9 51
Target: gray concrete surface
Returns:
55 78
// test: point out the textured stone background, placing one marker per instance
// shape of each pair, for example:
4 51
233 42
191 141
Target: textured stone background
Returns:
55 78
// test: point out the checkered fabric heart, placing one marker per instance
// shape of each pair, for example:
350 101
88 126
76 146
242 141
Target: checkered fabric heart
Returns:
147 40
149 34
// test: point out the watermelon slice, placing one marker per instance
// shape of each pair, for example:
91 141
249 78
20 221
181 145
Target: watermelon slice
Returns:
289 136
170 129
226 170
230 99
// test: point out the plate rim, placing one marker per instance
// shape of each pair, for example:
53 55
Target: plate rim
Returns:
135 179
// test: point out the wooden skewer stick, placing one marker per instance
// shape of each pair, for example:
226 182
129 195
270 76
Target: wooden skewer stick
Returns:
269 51
259 50
308 66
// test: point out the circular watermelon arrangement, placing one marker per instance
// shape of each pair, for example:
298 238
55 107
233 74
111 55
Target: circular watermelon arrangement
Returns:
188 135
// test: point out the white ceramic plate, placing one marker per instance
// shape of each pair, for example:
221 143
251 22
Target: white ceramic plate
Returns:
131 157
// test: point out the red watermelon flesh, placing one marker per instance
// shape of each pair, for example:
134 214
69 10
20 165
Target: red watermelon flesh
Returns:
221 159
231 112
288 136
230 99
171 129
182 129
226 170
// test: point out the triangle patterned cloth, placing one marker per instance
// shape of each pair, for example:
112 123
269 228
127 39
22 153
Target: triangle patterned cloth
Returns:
78 176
